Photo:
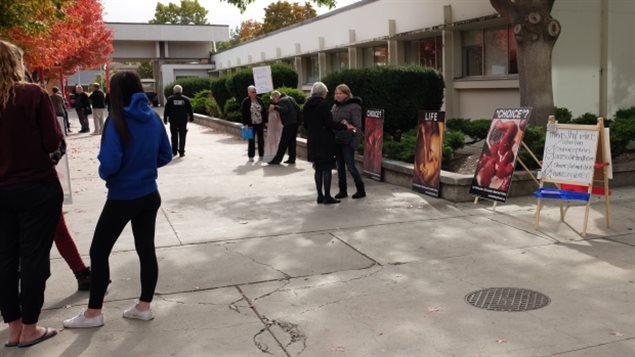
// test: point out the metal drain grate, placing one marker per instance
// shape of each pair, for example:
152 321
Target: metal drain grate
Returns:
507 299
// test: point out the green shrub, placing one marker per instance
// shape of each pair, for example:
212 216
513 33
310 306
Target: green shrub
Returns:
297 94
456 124
477 129
402 150
203 103
191 86
219 91
563 115
625 113
400 90
534 138
621 134
282 75
586 119
232 110
454 139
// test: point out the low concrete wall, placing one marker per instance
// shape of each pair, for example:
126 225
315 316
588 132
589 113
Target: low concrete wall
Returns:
454 187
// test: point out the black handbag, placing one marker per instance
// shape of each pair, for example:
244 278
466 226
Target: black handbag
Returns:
344 137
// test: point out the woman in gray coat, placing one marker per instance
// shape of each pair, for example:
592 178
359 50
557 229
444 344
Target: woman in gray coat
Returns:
348 110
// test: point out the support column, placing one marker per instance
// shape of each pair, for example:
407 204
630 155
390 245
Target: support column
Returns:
392 45
323 65
450 103
604 49
299 68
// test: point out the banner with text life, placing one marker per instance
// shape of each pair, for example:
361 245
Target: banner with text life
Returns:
429 152
373 145
495 167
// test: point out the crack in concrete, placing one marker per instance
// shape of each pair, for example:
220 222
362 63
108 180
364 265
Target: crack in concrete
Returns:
176 234
296 336
286 276
588 347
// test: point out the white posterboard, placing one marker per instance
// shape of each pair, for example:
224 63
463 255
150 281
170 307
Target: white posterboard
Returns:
570 152
262 79
63 170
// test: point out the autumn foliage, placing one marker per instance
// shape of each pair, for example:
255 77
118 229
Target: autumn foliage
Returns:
79 38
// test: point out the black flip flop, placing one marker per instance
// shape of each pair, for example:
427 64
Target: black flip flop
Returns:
45 336
10 344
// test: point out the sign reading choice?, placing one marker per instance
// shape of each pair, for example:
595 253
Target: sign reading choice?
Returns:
569 155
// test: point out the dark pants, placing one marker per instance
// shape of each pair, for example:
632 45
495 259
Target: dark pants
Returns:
178 131
322 177
346 158
29 214
260 135
83 119
287 142
67 124
142 213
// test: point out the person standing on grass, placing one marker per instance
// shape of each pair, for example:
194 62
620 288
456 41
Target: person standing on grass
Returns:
134 145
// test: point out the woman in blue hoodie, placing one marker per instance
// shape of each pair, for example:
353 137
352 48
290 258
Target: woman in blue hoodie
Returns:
133 146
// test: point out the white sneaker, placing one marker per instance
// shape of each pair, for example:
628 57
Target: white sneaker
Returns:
133 313
81 321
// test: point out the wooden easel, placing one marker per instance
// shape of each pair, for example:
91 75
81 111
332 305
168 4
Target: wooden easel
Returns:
580 190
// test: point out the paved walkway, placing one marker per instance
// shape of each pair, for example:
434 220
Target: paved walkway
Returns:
249 263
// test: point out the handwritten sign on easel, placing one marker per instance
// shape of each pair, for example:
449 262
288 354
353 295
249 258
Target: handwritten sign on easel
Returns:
574 160
570 152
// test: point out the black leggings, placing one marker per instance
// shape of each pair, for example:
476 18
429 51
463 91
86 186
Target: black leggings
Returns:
323 176
142 213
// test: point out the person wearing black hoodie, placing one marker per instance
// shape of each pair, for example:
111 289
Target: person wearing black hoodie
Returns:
348 110
321 141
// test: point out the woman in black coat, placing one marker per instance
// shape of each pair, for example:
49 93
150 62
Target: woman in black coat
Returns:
319 123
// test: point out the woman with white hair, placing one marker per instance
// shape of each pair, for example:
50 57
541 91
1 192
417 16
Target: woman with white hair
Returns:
319 123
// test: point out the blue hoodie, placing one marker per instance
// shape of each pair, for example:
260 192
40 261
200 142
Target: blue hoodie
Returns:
130 172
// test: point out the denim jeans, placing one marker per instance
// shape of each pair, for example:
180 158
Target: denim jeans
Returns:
346 158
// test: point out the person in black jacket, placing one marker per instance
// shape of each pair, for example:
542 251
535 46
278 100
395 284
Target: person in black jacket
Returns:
254 115
288 109
178 110
319 123
82 107
98 98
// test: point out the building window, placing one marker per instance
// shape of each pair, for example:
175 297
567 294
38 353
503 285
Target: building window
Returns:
489 52
430 53
375 56
312 67
338 61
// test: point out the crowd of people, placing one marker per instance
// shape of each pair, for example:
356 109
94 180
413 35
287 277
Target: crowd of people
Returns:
134 144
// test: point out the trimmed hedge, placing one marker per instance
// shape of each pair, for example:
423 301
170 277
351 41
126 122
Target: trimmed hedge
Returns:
282 75
232 110
400 90
191 86
203 103
219 91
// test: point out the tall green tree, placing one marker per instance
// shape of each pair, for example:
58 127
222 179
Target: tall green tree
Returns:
30 16
282 14
242 4
536 33
190 12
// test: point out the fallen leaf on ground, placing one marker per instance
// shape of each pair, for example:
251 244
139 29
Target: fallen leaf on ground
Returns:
501 340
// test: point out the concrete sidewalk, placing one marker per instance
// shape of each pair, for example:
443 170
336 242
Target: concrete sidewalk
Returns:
249 263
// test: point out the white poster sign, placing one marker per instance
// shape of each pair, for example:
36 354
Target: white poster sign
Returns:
262 79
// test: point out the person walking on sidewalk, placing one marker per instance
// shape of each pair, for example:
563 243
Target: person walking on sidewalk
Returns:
68 250
178 111
288 109
319 123
254 115
60 110
30 199
134 145
82 107
98 98
348 110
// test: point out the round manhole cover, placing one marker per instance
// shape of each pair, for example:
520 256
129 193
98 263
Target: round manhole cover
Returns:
507 299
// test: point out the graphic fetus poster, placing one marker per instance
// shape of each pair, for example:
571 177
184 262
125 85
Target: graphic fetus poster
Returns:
374 134
495 168
429 151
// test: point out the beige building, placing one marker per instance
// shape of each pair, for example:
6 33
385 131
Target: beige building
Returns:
465 40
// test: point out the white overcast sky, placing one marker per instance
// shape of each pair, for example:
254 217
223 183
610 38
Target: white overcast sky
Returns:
218 12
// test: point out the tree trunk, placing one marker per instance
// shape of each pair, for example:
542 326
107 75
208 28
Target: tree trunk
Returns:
536 33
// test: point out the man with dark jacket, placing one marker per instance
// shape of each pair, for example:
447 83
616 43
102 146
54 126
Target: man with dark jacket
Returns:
288 109
98 99
178 110
82 107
